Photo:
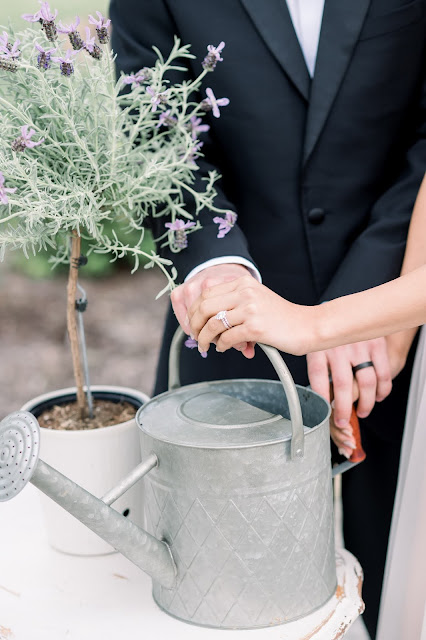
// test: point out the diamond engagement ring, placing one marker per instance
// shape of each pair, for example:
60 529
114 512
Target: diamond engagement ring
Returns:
222 316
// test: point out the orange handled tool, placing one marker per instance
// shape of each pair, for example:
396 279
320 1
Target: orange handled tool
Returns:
358 454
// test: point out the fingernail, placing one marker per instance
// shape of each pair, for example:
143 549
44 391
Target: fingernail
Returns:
343 452
347 432
349 444
362 415
191 335
332 404
342 423
186 321
218 350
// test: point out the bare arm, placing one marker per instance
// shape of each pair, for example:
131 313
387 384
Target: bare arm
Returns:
400 304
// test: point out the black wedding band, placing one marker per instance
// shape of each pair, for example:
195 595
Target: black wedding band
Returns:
362 365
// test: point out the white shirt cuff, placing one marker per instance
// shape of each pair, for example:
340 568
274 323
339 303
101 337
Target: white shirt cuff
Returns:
226 260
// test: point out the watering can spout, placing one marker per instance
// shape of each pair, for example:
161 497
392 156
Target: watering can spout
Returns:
144 550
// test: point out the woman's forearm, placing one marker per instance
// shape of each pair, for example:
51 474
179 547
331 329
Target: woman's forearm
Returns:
394 306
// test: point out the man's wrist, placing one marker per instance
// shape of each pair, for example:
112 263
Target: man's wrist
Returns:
226 260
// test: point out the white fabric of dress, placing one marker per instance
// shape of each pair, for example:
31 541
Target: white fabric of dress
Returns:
403 606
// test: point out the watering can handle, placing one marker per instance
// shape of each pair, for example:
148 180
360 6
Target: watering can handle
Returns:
298 437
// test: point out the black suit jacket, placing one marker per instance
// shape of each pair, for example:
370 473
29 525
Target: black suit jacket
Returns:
323 174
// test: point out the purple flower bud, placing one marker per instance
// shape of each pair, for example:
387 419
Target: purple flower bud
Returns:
4 191
178 233
9 54
191 343
43 58
46 19
11 51
226 223
195 127
194 152
137 79
213 57
101 25
24 141
66 62
73 35
211 103
166 120
157 97
8 64
91 47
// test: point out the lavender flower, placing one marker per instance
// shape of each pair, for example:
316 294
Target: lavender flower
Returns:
211 103
91 47
33 17
101 25
194 152
4 42
226 223
66 62
43 58
11 51
156 98
137 79
213 57
24 141
9 56
166 120
74 36
46 19
191 343
179 235
195 127
4 191
8 65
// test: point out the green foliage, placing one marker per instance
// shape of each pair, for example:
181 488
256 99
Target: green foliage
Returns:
105 167
40 266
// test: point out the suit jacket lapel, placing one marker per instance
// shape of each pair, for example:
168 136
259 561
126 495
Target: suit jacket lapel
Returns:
273 21
341 25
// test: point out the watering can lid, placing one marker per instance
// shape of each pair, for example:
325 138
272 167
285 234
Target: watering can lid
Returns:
200 416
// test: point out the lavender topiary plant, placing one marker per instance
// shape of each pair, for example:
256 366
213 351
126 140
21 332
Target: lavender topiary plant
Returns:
77 151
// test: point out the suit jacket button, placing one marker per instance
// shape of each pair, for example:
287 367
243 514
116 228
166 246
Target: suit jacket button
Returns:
316 216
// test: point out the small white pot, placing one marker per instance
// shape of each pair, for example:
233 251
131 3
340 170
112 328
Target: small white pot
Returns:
96 459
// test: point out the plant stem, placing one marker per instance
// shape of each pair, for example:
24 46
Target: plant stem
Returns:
72 322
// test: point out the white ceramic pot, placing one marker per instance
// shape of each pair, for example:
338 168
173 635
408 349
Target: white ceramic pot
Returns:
95 459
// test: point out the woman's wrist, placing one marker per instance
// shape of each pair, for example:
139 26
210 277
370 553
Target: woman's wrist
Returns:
312 329
323 328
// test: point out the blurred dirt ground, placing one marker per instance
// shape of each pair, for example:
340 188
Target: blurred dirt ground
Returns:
123 325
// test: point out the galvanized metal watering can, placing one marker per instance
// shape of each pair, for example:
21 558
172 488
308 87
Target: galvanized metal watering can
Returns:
238 497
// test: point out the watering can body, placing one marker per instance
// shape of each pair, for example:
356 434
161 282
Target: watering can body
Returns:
238 497
250 529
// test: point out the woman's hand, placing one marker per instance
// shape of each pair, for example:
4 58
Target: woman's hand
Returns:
256 314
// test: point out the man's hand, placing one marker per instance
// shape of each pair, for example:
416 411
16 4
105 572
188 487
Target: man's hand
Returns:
373 384
186 294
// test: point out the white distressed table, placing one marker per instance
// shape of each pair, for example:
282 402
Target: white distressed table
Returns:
45 595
